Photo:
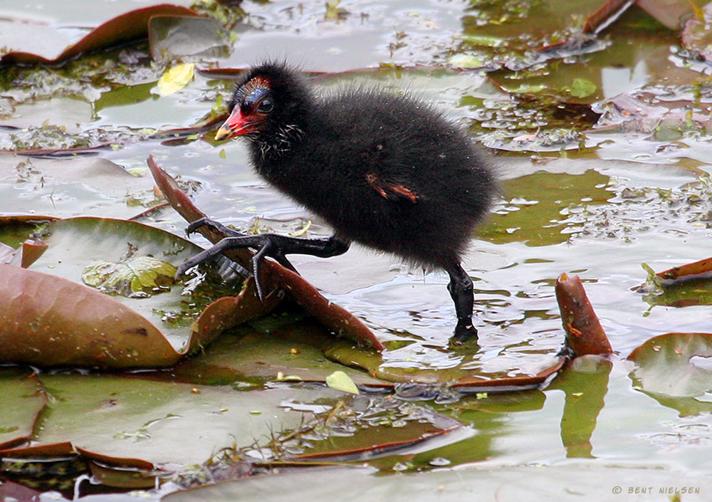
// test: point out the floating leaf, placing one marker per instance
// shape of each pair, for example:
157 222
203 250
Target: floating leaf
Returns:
339 380
21 401
147 423
675 370
295 349
172 37
72 186
136 277
682 286
582 88
175 78
119 29
673 364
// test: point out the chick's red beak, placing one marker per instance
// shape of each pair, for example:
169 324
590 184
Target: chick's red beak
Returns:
235 125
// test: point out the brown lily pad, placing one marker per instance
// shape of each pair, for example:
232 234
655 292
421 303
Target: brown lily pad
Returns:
670 13
701 269
682 286
584 333
50 317
120 29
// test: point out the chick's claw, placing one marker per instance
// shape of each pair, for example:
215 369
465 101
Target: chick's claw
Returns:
464 333
257 267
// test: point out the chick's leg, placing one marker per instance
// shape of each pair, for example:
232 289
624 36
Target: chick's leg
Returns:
272 245
462 292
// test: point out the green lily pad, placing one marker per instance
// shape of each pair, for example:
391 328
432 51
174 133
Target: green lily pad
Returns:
21 400
675 369
535 211
87 186
665 364
471 375
305 351
508 483
685 294
294 350
140 422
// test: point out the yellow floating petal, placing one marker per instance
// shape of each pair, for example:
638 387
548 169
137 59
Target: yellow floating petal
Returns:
175 78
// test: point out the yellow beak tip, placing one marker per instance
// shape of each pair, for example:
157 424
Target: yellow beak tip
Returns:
222 133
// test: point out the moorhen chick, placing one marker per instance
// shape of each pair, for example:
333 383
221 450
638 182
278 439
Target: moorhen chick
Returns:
383 169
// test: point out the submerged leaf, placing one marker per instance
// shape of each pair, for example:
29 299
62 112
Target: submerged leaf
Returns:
582 88
176 78
138 276
339 380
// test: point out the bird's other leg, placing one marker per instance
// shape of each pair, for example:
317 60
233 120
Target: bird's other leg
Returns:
462 293
273 245
215 225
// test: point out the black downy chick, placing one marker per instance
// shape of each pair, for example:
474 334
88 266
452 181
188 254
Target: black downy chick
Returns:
385 170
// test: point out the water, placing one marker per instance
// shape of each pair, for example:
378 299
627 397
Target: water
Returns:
584 195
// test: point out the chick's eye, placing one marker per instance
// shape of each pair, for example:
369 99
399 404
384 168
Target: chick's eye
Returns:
266 105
